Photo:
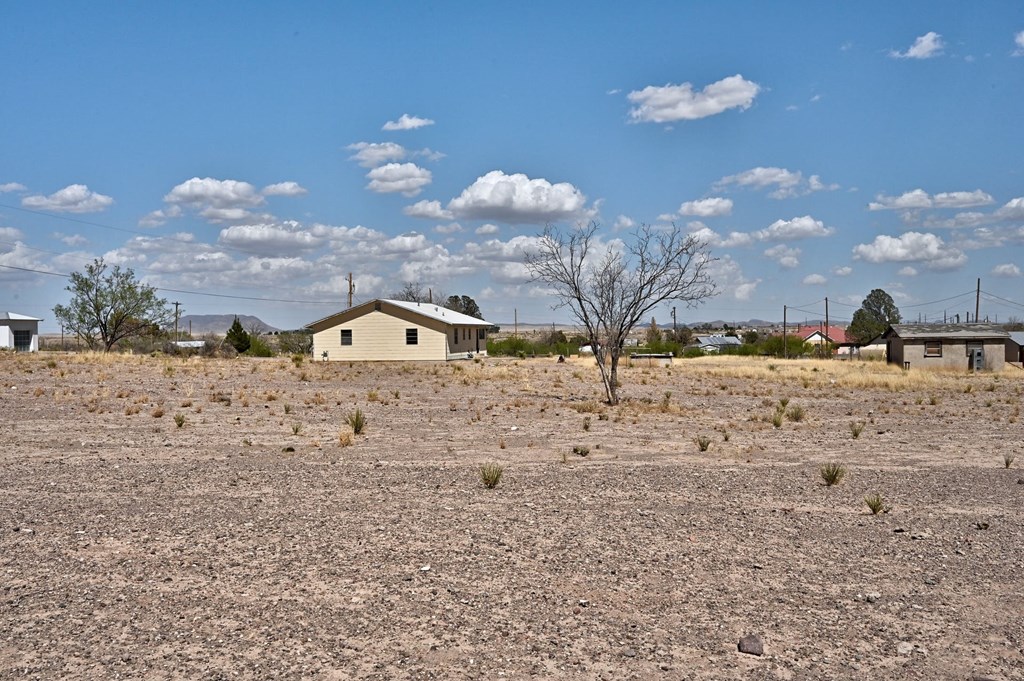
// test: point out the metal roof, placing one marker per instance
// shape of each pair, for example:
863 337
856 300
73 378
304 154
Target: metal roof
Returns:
1017 337
718 340
946 331
15 317
429 310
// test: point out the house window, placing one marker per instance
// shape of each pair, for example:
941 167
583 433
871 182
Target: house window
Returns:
376 307
22 340
481 334
412 336
346 336
455 336
933 349
465 334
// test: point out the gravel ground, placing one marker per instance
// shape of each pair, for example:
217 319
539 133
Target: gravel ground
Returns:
254 541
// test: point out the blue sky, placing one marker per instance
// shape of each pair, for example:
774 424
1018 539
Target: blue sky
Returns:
266 150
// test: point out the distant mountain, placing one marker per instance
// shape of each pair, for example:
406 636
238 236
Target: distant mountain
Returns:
220 323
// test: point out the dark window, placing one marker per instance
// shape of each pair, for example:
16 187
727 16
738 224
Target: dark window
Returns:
22 340
412 336
481 334
933 349
455 337
376 307
346 336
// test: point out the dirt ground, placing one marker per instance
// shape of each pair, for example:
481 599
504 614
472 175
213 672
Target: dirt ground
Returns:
261 539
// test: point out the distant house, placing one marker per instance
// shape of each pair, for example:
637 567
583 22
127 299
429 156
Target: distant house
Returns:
819 335
715 343
946 346
382 330
1015 347
19 332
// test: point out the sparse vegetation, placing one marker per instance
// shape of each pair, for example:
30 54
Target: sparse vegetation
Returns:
179 420
832 473
795 413
703 442
1008 460
490 474
357 421
876 504
581 450
296 428
856 428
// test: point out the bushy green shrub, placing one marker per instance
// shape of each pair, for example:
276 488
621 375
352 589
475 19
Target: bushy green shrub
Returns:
259 348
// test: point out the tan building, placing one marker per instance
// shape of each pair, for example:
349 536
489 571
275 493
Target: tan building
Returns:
946 346
396 330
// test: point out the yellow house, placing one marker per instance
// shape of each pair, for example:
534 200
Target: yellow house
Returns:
390 330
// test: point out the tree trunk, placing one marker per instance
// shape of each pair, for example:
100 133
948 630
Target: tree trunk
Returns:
613 380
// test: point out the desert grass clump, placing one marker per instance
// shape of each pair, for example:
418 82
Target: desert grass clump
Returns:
796 413
777 418
586 423
703 442
296 428
344 438
581 450
876 504
1008 460
357 421
373 396
157 413
287 409
179 420
856 428
490 474
832 473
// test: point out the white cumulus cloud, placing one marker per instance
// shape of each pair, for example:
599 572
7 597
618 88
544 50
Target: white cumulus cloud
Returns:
12 187
158 217
207 191
430 210
786 183
487 229
518 199
907 271
706 208
10 233
284 189
407 178
670 103
450 228
1018 40
843 271
797 228
75 198
407 122
623 222
1013 210
815 280
270 239
784 255
911 247
928 45
373 154
918 199
1006 270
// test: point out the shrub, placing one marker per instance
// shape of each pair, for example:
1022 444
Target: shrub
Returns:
856 427
297 360
296 428
581 450
796 413
179 420
703 442
876 504
357 421
344 438
259 348
586 423
832 473
490 474
777 419
1008 460
287 409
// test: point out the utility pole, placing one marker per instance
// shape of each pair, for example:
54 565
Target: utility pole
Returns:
828 336
785 345
176 305
674 332
977 300
515 317
351 289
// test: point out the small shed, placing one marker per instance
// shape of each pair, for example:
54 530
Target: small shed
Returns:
715 343
19 332
396 330
1015 347
946 346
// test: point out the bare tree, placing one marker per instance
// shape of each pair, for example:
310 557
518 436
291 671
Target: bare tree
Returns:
611 291
415 292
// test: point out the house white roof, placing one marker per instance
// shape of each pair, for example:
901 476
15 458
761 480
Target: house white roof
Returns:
15 317
429 310
439 313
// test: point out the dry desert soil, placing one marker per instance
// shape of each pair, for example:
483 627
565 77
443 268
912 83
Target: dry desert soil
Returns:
167 518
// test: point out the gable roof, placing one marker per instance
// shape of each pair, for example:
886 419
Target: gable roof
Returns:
15 317
1017 337
939 331
833 334
428 310
718 340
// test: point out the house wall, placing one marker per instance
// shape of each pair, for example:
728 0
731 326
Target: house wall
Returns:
8 327
1014 352
380 336
954 354
463 339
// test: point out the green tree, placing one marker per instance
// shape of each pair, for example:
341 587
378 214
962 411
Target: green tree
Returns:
237 337
875 315
611 290
109 305
465 305
750 337
653 333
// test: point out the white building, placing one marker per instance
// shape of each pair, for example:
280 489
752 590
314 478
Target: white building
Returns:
19 332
